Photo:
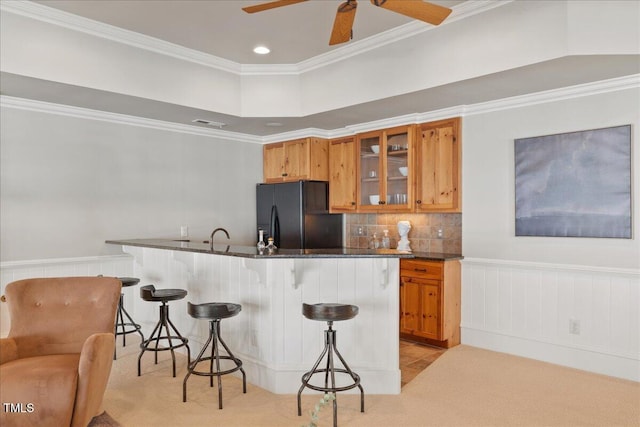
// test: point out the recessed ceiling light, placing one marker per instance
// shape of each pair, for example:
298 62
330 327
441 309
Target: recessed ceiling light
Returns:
261 50
274 124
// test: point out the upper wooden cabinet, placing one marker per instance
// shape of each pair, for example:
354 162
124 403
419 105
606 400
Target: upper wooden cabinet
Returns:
414 168
342 175
385 170
306 158
438 178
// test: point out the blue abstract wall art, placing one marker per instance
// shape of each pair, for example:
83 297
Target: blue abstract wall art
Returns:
575 184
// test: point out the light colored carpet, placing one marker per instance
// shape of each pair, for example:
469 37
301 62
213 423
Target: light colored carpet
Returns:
103 420
466 386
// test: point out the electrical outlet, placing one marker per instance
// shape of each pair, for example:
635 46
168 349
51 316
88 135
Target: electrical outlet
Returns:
440 233
184 231
574 326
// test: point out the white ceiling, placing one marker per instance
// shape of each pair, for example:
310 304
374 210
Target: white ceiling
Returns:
295 34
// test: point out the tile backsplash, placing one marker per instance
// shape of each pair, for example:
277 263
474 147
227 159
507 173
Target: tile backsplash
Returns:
423 235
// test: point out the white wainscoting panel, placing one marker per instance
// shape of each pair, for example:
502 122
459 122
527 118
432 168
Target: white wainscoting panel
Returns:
529 309
111 265
276 343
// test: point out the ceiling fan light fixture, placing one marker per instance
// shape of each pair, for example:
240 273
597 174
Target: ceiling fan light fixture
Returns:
261 50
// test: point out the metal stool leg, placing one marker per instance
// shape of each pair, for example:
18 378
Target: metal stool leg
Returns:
213 339
124 319
305 381
329 374
191 367
244 376
170 329
144 344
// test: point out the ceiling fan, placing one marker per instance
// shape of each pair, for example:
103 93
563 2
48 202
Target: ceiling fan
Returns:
343 24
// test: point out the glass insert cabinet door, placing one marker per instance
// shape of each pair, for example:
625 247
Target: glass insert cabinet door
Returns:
384 168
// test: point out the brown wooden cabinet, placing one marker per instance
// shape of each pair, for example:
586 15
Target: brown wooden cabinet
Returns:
306 158
413 168
342 175
438 163
385 170
430 301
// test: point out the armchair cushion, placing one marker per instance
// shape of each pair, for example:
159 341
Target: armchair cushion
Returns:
8 350
45 388
55 364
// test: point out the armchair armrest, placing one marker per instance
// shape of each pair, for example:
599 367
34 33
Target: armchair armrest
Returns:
8 350
94 368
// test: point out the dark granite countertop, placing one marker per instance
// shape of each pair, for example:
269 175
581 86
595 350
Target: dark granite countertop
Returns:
436 256
252 251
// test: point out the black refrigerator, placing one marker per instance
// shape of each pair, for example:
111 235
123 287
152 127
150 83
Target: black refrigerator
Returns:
296 215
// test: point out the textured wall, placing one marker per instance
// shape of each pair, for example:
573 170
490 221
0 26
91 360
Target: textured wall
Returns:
423 235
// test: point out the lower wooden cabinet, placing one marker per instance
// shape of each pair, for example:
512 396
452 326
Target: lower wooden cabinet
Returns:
430 301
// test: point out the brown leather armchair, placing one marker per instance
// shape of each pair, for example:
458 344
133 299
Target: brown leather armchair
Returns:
56 361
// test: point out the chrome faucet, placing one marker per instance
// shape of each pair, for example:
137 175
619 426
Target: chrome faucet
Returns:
213 234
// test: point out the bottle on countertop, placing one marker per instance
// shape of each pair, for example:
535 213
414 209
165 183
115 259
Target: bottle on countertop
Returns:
375 242
386 242
261 245
270 245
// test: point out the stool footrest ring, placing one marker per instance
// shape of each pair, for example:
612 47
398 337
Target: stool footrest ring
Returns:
135 328
145 343
307 376
237 361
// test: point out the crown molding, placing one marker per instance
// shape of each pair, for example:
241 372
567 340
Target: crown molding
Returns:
461 11
570 92
86 113
88 26
73 22
554 95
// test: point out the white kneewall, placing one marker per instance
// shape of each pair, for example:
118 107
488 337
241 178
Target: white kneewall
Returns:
275 342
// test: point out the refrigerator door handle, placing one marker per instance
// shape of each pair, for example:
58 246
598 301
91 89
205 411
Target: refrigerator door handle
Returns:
274 226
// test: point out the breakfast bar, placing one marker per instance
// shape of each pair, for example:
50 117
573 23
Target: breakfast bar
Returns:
276 343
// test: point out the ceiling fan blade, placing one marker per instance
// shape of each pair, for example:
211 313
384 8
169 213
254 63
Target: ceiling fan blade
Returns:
343 23
428 12
270 5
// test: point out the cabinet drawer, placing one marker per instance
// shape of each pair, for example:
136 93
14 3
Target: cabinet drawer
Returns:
419 268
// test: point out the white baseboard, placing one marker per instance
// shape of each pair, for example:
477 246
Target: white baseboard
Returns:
528 309
572 357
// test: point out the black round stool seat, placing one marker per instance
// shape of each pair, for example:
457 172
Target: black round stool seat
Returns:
213 310
329 312
171 336
150 293
124 323
129 281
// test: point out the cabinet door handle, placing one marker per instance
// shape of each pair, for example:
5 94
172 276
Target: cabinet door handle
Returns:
422 270
285 174
381 202
353 203
419 202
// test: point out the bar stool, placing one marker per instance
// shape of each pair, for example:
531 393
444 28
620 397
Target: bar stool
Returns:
150 293
330 313
215 312
122 313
